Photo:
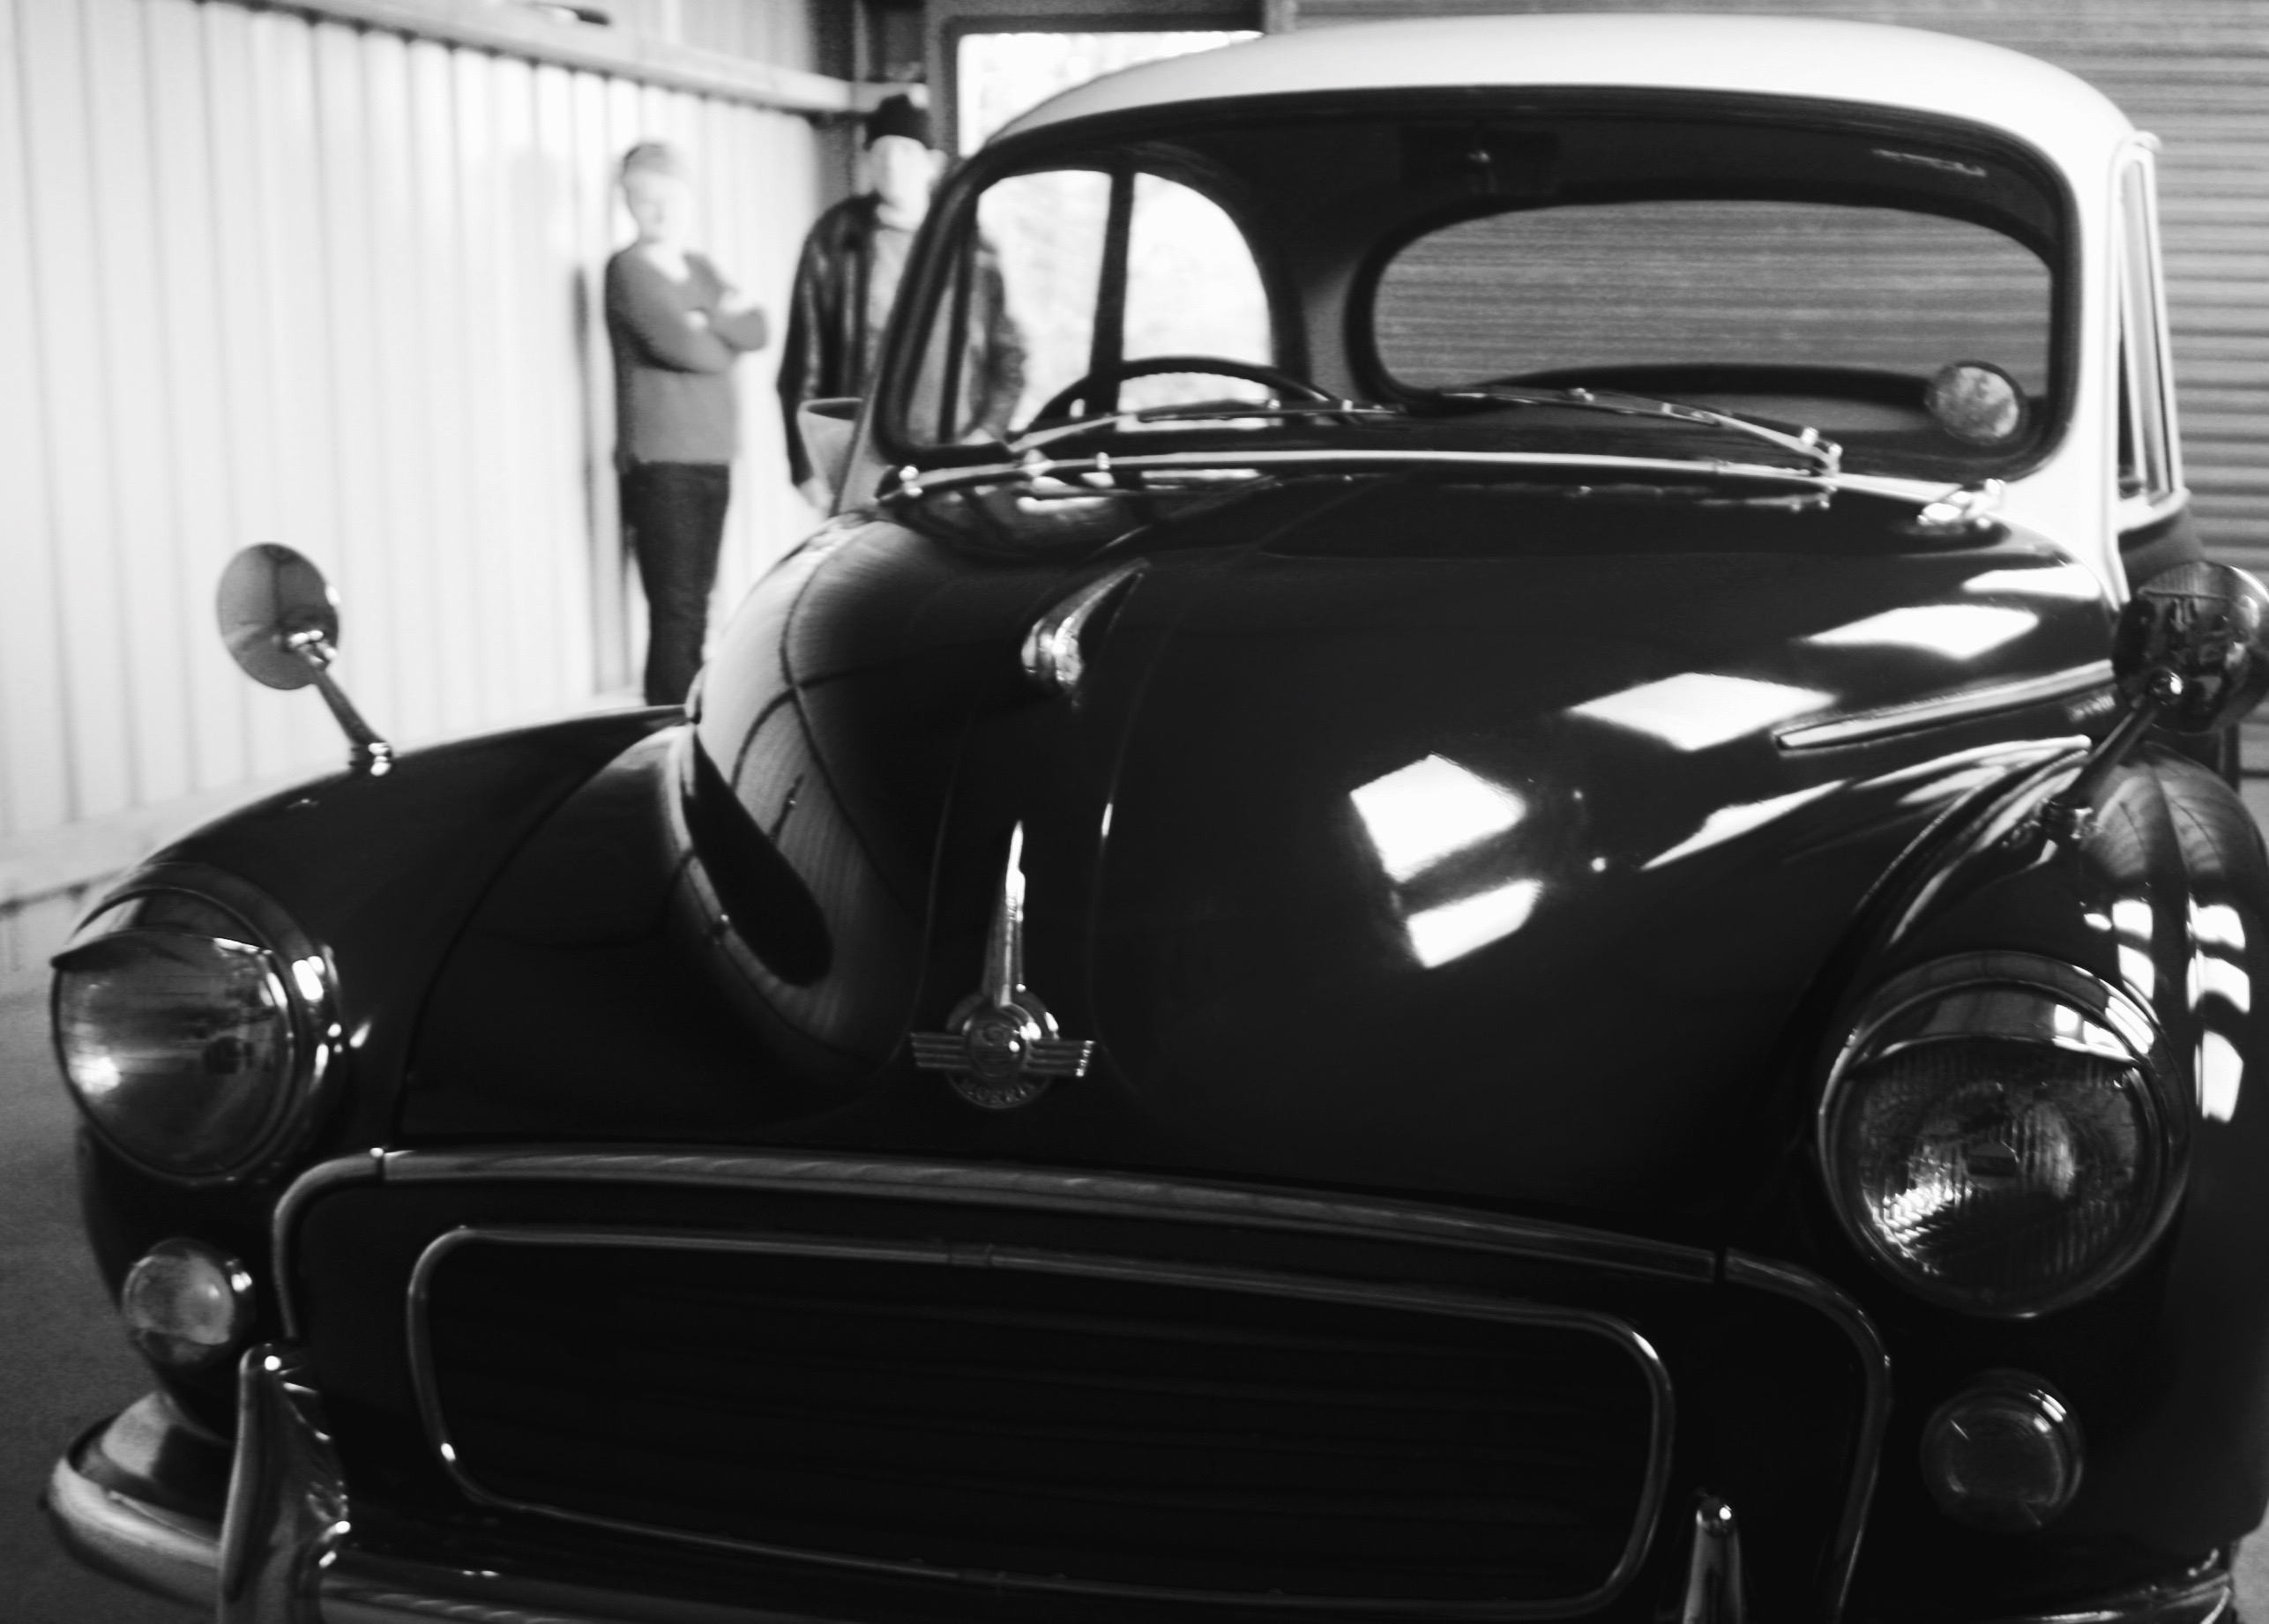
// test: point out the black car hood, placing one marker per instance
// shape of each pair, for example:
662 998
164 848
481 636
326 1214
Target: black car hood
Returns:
1490 872
1437 838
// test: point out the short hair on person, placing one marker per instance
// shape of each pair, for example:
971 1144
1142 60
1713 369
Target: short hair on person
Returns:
654 157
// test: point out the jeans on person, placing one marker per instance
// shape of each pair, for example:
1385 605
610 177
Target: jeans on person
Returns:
675 512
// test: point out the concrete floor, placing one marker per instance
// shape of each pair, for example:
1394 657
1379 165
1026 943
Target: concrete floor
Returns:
68 1366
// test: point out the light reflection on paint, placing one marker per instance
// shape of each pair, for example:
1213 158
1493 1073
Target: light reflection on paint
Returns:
1697 710
1957 630
2217 924
1728 822
1953 784
2131 924
1454 929
2070 581
2135 969
1418 814
2221 1068
2212 977
307 972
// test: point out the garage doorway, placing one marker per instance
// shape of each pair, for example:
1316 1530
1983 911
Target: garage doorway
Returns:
1000 75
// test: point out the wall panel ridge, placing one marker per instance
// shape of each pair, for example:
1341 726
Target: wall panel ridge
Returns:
268 273
755 51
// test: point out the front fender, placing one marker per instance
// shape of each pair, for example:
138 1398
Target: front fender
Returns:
382 873
2166 896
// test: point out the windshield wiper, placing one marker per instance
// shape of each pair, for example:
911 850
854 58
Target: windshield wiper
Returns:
1032 441
1824 454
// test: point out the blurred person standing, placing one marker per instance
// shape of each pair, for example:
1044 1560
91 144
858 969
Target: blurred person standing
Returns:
849 272
676 326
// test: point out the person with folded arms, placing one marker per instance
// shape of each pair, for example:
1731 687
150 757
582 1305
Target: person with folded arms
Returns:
676 326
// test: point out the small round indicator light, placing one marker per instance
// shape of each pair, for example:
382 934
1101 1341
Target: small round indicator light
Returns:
186 1305
2003 1454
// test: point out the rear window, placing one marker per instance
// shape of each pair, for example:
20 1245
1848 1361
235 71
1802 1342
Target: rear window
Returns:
1593 288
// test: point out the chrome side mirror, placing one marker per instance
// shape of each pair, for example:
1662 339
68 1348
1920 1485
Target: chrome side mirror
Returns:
280 623
2190 654
2194 643
826 427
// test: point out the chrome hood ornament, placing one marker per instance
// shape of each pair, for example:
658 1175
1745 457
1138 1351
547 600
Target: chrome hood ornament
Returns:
1001 1049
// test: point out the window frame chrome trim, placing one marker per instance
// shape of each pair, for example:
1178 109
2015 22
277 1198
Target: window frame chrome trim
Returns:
1416 1299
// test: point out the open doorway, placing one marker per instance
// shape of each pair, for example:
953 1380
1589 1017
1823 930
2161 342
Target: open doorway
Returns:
1000 75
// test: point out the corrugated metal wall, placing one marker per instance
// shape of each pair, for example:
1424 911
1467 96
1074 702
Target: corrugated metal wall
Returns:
2194 72
269 278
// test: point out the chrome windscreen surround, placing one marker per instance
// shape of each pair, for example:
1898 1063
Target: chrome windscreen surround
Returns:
310 979
1471 1306
2116 1027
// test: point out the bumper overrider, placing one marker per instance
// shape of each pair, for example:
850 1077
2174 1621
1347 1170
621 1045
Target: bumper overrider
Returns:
1216 1369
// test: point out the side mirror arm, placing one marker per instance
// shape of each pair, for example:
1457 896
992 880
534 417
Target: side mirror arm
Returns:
2067 814
367 752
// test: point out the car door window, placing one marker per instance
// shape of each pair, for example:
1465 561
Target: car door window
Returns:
1047 231
1192 289
1075 270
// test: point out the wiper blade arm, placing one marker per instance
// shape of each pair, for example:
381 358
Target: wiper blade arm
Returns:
1808 443
1032 441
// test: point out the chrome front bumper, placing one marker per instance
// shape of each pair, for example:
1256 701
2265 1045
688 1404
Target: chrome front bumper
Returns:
282 1555
279 1555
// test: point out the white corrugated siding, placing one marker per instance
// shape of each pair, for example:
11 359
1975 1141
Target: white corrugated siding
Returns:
266 277
2194 72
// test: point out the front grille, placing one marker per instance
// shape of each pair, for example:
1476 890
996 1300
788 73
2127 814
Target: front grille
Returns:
1037 1420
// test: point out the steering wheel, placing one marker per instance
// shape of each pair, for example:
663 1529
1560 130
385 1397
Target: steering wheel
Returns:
1058 406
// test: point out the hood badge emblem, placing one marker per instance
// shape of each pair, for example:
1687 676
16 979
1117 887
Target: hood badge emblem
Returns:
1000 1049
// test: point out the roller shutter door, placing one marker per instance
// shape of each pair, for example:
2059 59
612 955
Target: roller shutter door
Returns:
2197 74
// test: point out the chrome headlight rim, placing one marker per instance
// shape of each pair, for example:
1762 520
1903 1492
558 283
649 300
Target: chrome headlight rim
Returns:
2167 1110
309 978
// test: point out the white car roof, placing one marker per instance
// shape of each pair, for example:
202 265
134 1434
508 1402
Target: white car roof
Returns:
2072 123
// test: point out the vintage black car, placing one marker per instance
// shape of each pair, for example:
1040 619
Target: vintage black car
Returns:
1503 888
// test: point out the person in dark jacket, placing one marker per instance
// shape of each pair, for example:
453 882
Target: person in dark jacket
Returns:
848 274
676 327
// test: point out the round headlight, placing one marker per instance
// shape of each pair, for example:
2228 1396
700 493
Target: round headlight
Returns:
1996 1136
190 1036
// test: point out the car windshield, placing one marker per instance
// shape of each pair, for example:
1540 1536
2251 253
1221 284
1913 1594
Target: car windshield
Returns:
1440 274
